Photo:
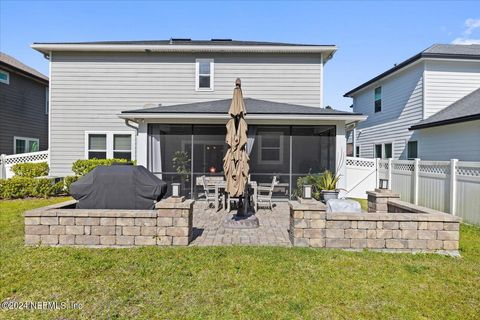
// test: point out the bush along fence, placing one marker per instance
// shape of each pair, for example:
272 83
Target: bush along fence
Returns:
448 186
170 223
7 162
405 228
30 179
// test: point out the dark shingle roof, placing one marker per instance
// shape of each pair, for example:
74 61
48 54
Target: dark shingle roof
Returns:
465 109
216 42
445 51
11 61
253 106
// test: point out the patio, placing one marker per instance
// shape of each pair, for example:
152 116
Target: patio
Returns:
208 227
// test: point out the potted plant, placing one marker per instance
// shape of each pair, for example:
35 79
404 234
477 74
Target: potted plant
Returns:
328 185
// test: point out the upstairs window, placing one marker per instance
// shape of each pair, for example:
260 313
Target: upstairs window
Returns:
412 150
378 99
204 74
388 150
4 77
378 151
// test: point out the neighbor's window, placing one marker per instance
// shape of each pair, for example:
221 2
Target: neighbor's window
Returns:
204 74
97 146
412 149
378 99
4 77
122 146
270 144
378 151
23 145
388 150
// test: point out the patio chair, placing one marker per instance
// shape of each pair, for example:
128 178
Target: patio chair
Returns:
264 194
208 192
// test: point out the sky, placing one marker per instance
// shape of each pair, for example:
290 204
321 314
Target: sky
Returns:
371 35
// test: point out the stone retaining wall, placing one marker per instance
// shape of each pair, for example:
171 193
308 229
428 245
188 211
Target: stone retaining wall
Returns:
169 224
311 226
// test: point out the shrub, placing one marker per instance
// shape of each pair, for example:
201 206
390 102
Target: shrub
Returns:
312 179
67 181
22 187
30 170
82 167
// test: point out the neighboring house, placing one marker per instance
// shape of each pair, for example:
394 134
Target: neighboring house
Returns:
415 92
452 133
23 107
164 104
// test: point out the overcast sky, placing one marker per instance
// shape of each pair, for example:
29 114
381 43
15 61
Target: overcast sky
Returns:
371 36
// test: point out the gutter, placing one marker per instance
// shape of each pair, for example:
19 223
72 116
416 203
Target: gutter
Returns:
133 116
445 122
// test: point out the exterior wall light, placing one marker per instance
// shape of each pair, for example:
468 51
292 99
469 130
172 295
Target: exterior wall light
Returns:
176 190
307 191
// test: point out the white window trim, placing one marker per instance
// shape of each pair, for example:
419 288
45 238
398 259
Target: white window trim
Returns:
408 149
27 142
110 135
197 74
8 77
383 149
280 148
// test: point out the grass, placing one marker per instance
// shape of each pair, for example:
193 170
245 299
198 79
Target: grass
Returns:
234 282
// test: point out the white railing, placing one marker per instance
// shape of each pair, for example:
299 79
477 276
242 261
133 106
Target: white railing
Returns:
449 186
6 162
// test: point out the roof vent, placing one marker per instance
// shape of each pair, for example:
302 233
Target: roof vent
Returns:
179 39
221 40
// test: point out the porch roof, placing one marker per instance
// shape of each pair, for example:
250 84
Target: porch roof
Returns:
255 108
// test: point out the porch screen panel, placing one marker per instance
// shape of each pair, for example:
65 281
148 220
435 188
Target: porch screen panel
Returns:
313 150
169 154
270 156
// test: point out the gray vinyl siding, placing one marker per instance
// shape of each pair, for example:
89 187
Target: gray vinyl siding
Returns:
455 141
89 90
402 106
22 111
449 81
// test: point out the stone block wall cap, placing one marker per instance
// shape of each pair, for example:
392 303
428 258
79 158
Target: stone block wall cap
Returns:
311 206
175 199
389 216
164 204
48 210
383 194
308 201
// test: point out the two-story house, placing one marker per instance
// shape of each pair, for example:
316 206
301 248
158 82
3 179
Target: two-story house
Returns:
420 109
23 107
165 103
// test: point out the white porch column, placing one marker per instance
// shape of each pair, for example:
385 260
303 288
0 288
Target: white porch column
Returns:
142 144
341 157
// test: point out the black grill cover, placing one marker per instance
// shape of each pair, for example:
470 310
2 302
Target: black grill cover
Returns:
118 187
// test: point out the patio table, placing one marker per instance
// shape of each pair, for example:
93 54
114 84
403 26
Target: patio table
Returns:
221 185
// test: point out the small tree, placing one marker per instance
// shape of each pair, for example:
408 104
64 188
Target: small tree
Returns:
181 163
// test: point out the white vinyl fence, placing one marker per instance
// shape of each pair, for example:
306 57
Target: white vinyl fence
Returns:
6 162
450 186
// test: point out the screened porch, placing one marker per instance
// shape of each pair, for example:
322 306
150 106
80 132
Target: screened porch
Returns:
181 153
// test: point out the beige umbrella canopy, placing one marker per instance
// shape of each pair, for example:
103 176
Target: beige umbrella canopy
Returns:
235 163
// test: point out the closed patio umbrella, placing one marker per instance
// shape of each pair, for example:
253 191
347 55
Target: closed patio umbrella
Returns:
235 162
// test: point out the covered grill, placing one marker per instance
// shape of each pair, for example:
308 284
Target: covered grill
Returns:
118 187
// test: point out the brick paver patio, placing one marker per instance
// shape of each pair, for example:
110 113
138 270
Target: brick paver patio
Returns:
208 228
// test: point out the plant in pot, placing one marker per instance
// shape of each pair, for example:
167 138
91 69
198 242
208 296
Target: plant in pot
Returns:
328 186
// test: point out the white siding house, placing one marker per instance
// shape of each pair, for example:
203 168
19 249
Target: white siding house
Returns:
411 92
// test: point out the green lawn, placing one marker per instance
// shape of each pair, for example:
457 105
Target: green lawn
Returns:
234 282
